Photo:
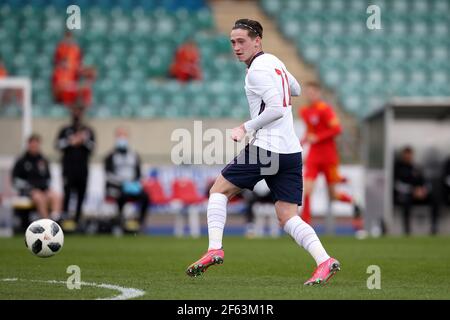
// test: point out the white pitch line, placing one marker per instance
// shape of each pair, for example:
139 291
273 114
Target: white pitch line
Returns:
125 293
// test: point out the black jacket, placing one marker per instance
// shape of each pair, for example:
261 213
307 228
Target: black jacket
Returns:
406 178
446 181
31 172
75 159
121 165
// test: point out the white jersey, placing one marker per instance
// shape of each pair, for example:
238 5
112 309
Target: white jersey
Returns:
267 78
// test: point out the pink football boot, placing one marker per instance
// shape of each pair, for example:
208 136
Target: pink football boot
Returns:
212 257
324 272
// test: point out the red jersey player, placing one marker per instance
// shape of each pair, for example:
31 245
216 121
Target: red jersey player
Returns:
322 127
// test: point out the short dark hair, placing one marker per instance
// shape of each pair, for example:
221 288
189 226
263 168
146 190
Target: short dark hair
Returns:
34 137
407 149
253 27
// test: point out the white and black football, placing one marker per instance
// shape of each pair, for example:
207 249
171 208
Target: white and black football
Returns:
44 238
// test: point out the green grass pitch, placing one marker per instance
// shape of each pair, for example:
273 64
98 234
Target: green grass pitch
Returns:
273 269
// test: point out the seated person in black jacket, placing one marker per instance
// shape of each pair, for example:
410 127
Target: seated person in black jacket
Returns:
31 178
410 188
123 173
446 181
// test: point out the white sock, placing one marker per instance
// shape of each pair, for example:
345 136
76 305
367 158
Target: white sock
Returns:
306 237
217 215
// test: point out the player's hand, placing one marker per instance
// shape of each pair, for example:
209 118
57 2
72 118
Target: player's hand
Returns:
238 133
312 138
420 193
74 140
83 136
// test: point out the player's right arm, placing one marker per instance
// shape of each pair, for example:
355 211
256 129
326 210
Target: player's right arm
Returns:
63 140
19 177
111 176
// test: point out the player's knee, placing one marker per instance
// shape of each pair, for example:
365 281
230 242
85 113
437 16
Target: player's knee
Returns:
221 186
54 196
37 196
284 216
283 219
228 193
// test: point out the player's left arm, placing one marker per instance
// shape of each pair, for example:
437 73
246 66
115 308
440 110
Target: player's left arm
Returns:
333 126
47 175
263 84
137 168
89 139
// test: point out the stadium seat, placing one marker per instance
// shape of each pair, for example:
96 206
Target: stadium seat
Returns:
332 37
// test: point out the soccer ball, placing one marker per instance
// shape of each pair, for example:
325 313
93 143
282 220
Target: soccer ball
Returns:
44 238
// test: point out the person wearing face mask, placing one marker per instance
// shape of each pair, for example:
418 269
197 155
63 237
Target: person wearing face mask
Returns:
123 174
76 143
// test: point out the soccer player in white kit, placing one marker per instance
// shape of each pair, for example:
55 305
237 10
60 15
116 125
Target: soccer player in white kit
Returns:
274 154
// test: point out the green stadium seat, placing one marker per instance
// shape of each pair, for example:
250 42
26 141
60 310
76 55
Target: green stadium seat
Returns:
112 100
39 111
204 19
157 100
133 101
271 7
43 98
147 112
179 100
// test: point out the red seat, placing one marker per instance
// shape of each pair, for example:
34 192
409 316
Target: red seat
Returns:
184 189
155 191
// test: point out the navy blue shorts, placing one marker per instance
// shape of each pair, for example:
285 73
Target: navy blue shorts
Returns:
282 172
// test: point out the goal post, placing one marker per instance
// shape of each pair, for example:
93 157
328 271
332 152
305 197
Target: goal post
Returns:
9 87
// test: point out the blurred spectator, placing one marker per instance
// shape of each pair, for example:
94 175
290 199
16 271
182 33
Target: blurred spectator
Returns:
68 51
410 188
446 181
186 65
123 174
76 142
3 74
3 71
31 178
71 81
260 195
322 129
64 84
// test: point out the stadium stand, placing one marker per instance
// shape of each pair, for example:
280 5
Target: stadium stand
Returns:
131 44
409 56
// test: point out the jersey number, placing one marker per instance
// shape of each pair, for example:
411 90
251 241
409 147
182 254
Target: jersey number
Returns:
282 73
